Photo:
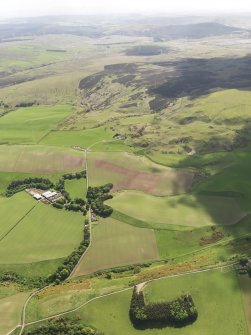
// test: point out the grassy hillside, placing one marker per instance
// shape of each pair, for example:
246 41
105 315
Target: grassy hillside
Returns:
184 210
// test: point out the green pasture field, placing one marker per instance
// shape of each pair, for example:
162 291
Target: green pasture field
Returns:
232 176
13 210
128 171
184 210
33 270
116 244
245 284
40 159
216 294
11 309
29 125
76 188
83 139
174 243
33 239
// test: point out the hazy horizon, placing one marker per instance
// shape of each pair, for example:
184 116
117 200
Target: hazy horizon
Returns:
37 8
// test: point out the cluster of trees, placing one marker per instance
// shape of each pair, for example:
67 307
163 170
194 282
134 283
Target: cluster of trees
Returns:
64 270
245 266
20 185
96 197
12 277
176 313
63 327
26 104
76 205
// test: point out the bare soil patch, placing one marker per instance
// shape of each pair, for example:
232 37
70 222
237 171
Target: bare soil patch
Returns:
179 182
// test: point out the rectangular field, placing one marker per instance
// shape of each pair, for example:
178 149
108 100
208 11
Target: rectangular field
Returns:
130 172
29 125
76 188
182 210
45 233
116 244
82 138
22 203
40 159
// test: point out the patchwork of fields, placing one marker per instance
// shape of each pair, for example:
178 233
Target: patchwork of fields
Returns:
29 125
171 131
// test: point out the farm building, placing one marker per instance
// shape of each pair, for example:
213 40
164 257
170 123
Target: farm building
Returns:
49 194
37 196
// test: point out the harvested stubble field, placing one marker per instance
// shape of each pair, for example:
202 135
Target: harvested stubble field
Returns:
116 244
182 210
130 172
40 159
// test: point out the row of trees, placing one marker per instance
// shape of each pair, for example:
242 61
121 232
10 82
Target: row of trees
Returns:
176 313
63 327
64 270
96 197
20 185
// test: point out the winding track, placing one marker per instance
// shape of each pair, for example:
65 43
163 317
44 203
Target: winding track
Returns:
210 268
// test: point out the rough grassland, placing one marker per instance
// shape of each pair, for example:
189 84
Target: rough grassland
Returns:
183 210
116 244
45 233
76 188
40 159
127 171
245 284
13 209
10 310
216 295
29 125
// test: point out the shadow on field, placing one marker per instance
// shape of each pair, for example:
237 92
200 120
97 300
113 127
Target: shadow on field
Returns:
222 187
195 77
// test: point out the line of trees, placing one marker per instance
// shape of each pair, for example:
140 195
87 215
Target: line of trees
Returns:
96 197
20 185
176 313
63 327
